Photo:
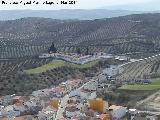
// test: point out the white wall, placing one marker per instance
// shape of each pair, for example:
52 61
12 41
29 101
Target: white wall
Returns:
102 78
72 114
84 95
74 93
113 70
19 108
93 95
119 113
91 85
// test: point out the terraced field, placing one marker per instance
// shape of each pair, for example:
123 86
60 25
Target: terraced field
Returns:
21 51
32 36
151 103
152 86
12 66
141 69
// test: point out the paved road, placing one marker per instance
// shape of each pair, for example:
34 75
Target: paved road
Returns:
63 103
62 107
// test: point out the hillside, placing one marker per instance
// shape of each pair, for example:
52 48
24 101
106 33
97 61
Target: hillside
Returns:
119 35
22 40
23 76
64 14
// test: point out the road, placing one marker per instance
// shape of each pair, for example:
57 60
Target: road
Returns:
149 98
62 107
64 100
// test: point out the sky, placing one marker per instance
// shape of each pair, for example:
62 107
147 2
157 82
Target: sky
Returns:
146 5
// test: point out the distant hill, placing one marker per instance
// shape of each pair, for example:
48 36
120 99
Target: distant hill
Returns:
65 14
148 5
119 35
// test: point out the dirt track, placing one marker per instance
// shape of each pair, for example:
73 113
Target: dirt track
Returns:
151 103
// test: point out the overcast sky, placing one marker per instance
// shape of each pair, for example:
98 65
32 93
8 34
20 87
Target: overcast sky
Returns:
90 4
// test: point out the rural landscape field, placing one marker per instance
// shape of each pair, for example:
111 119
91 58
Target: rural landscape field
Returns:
91 67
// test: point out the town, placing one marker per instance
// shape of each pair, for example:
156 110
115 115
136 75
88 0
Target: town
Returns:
74 99
80 64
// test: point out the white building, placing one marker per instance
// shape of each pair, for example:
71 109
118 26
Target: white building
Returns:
58 91
1 108
30 104
19 107
35 99
72 111
6 100
102 78
40 93
122 58
92 95
85 94
133 113
91 86
47 114
74 93
112 70
9 111
70 57
117 111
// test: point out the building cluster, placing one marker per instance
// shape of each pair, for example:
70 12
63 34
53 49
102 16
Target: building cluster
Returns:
71 100
122 58
83 103
113 70
12 106
76 58
74 99
73 58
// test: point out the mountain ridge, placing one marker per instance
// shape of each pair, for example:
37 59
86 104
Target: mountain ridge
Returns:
66 14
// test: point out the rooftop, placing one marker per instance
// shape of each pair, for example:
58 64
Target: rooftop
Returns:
114 107
72 109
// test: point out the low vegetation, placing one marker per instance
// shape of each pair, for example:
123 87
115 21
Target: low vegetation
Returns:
155 85
14 80
58 64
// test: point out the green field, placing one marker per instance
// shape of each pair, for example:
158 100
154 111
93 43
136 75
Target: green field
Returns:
57 64
155 85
